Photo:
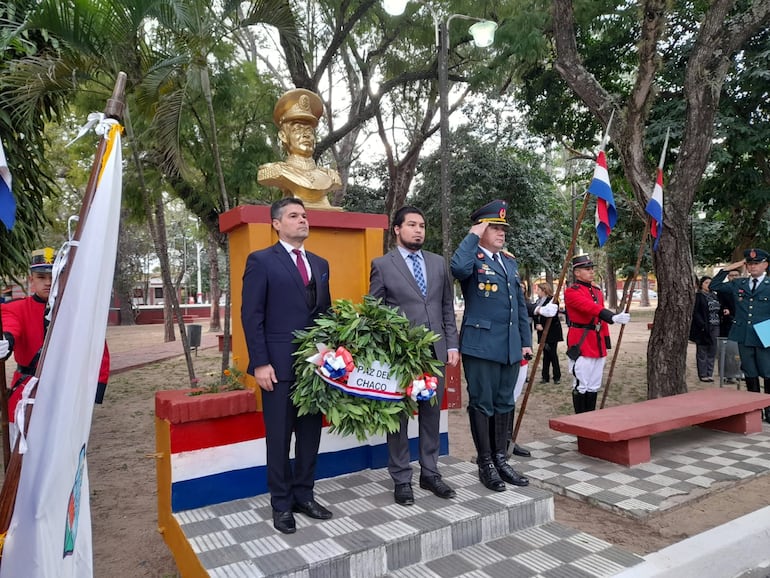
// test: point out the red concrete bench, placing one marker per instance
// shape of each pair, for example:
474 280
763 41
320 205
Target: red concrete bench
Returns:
621 434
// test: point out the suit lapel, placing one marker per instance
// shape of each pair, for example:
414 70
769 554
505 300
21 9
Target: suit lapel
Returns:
287 262
402 267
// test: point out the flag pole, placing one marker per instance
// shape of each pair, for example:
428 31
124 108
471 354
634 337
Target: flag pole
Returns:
630 294
113 110
639 256
4 428
555 300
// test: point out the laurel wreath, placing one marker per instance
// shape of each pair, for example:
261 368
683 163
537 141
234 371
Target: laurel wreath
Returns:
371 332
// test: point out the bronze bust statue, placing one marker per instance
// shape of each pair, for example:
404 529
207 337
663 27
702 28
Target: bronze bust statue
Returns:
296 114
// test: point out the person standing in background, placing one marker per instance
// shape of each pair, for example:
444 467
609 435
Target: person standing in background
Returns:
752 306
553 337
588 338
704 329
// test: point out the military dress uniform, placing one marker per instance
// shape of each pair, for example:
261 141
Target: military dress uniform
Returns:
495 328
752 306
24 326
587 316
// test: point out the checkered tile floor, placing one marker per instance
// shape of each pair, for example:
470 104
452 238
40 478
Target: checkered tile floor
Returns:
685 464
478 534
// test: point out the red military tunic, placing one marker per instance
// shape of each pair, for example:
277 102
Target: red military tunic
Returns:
23 319
584 304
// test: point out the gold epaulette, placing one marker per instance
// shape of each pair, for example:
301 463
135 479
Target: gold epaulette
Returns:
508 254
268 171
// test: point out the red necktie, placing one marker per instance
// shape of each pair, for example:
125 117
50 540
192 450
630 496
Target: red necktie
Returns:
301 266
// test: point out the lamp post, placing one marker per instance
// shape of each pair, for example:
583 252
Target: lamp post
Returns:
199 294
483 32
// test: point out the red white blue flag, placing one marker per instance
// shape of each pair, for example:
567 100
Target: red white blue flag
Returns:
655 210
7 200
606 214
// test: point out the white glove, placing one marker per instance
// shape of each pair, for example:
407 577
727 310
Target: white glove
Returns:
549 310
621 318
4 347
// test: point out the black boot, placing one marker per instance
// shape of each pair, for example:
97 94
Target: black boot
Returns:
502 435
480 432
752 384
493 440
766 412
578 401
590 404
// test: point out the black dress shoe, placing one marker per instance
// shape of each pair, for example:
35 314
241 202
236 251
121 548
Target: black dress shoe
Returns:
436 485
312 509
284 522
404 495
507 473
520 451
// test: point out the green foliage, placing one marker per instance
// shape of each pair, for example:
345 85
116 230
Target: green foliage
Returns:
371 332
483 170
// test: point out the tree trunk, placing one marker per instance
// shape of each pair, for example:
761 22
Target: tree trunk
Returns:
124 288
667 348
215 325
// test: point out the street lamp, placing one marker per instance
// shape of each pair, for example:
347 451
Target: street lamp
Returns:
483 33
199 294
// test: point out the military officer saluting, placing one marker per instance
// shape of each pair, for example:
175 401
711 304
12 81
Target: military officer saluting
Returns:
495 335
752 306
589 336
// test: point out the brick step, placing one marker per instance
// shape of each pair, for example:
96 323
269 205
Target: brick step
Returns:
372 536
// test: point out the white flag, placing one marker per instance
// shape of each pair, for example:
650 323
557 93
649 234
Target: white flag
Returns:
50 531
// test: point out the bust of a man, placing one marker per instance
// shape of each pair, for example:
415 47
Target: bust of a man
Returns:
296 114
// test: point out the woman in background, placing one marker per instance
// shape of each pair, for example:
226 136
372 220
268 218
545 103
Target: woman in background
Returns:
704 330
544 293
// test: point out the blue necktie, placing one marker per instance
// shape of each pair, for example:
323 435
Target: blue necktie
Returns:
417 272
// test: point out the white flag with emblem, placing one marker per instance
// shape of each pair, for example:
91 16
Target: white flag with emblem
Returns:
50 531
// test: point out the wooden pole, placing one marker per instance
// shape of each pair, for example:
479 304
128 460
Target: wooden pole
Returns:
4 417
114 110
630 294
547 326
555 300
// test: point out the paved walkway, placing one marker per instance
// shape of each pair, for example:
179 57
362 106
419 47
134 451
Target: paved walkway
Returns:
121 361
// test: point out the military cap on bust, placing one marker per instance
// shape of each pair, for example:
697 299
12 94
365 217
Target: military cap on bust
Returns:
42 260
755 255
492 213
298 104
582 261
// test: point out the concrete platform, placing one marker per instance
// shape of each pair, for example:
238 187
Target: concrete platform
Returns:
478 534
685 465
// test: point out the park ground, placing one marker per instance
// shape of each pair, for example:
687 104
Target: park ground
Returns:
122 463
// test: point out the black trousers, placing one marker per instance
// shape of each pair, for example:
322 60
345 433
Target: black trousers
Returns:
551 360
289 483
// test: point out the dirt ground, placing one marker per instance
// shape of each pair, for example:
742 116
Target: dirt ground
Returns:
122 466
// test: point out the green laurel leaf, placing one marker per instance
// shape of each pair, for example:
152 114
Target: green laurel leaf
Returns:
371 332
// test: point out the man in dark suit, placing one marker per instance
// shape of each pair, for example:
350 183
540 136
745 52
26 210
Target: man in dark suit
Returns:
752 307
495 337
418 284
284 289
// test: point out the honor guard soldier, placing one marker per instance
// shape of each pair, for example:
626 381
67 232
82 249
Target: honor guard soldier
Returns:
24 328
494 338
752 306
589 336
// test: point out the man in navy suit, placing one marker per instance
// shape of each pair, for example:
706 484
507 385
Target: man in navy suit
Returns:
284 289
418 284
494 338
752 306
